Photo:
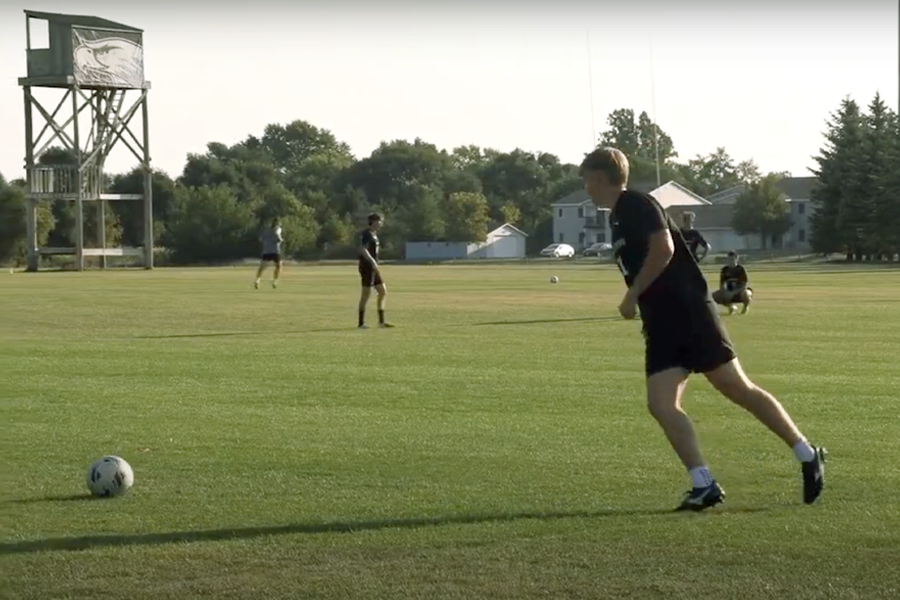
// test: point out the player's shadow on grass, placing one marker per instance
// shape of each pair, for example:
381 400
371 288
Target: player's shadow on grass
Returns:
69 498
238 333
243 533
538 321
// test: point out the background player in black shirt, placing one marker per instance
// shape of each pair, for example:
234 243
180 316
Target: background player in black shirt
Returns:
733 285
696 243
369 271
682 329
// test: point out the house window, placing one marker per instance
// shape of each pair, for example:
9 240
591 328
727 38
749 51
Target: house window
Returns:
801 209
801 235
601 238
561 238
560 213
580 213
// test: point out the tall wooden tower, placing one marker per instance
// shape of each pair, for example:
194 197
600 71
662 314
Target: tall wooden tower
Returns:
95 70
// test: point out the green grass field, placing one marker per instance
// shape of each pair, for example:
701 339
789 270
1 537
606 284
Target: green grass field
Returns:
495 445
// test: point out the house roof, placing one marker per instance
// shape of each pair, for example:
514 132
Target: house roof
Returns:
728 195
675 194
667 193
509 226
794 188
708 216
576 198
81 21
797 188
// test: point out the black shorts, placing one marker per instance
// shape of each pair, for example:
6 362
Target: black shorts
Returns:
369 277
271 257
687 334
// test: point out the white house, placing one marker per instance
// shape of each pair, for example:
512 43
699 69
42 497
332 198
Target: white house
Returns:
507 241
577 221
714 222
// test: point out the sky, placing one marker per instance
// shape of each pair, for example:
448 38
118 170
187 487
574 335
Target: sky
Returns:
757 78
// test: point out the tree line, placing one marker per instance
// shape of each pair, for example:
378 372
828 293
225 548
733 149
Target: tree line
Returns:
213 211
857 198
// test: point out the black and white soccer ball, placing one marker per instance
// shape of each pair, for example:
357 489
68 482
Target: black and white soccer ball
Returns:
109 476
554 279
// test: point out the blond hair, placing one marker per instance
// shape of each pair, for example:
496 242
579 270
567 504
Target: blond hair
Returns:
610 161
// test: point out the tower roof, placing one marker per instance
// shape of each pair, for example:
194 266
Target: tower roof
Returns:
82 21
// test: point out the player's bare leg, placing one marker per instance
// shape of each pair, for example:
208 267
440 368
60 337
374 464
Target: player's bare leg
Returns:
381 290
259 272
664 393
746 298
364 294
734 384
276 274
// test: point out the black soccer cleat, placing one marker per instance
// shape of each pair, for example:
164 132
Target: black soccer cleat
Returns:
702 498
814 476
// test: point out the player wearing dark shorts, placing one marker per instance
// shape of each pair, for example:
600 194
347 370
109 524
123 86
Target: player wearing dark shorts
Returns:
369 271
734 285
695 241
682 330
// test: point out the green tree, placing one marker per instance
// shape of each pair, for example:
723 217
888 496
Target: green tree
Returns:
338 236
623 133
209 225
705 175
13 207
467 217
841 198
424 214
511 213
762 210
881 162
638 139
131 214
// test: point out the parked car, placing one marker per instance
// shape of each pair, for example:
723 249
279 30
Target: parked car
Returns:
597 248
558 251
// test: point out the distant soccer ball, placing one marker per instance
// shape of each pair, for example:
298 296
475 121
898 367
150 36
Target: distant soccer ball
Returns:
554 279
109 476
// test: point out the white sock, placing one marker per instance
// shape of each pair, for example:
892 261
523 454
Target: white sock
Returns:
701 477
804 451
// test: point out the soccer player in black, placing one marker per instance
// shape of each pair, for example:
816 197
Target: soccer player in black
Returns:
696 243
733 285
682 330
369 271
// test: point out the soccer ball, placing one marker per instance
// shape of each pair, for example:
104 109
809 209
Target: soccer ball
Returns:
109 476
554 279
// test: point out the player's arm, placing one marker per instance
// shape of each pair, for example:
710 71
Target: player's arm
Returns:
652 225
742 275
722 277
363 251
278 235
704 245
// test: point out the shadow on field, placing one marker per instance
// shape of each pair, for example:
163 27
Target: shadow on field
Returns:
70 498
536 321
238 333
211 535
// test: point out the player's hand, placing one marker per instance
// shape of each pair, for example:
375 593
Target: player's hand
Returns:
628 307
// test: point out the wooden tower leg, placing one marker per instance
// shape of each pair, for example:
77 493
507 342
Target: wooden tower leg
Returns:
148 190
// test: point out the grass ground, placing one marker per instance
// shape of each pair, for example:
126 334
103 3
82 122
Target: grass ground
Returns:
494 445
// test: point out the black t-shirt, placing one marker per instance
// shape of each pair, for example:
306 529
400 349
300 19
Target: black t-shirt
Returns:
732 277
634 219
368 239
694 240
